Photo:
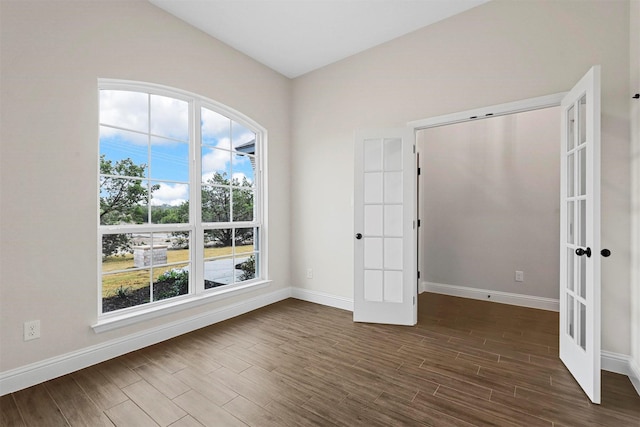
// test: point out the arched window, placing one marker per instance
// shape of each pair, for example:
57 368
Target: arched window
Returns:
181 201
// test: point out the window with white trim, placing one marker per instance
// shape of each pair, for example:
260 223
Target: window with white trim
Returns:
181 200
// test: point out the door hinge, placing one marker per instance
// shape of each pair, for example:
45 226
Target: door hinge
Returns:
414 300
419 223
414 225
414 148
419 171
418 274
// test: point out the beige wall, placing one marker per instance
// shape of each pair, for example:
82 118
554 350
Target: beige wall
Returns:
52 55
635 182
489 203
498 52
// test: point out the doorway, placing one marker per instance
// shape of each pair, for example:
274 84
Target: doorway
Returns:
489 203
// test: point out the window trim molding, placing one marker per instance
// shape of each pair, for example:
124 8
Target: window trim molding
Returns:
112 320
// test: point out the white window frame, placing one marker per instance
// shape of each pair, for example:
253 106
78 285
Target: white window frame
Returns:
197 295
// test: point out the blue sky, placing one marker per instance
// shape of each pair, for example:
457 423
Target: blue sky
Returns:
167 154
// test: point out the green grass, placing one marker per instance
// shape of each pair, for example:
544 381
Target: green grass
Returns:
140 278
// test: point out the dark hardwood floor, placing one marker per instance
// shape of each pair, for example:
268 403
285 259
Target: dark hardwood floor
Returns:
295 363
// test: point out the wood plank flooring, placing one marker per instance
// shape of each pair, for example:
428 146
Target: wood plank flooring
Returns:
466 363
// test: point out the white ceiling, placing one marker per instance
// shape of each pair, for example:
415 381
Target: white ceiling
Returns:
294 37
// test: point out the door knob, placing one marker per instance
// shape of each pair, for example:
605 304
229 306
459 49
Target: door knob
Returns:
358 236
581 252
605 252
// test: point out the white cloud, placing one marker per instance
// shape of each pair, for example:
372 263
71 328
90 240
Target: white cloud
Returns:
131 110
170 194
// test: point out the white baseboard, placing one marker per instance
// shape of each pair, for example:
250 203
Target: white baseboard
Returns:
634 375
489 295
322 298
36 373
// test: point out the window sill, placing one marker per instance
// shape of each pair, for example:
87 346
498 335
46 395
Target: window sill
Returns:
110 322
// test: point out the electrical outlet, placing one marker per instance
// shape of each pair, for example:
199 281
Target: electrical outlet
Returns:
31 330
309 273
519 276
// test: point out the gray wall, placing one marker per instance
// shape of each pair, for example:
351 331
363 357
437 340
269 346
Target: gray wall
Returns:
52 56
489 203
498 52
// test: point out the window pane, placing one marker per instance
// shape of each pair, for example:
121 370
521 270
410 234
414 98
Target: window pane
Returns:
243 205
123 201
218 242
170 203
216 204
244 239
243 170
218 272
216 166
169 160
216 129
169 117
128 110
245 268
126 289
120 145
170 281
242 139
117 252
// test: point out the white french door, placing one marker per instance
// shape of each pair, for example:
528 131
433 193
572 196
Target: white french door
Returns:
385 275
580 233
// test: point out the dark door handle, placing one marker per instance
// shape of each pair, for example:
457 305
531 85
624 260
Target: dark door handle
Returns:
358 236
605 252
581 252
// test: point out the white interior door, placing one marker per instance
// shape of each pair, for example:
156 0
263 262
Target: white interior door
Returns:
385 287
580 234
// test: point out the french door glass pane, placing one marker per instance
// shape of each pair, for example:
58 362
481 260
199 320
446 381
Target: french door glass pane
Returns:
582 120
373 220
570 128
372 155
373 285
393 286
582 274
582 171
570 269
582 221
393 220
570 222
570 316
582 325
570 175
372 187
373 253
393 187
393 154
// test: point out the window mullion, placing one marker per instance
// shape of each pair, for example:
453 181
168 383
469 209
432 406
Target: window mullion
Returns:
195 213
